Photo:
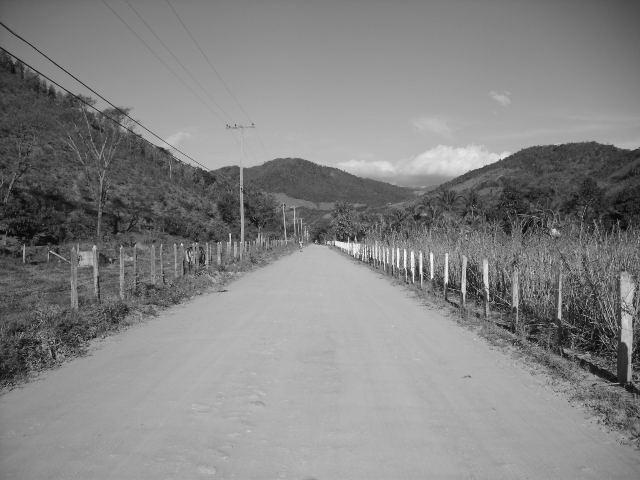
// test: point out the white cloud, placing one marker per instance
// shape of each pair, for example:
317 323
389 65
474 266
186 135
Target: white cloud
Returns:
503 98
177 138
364 168
440 161
450 161
436 125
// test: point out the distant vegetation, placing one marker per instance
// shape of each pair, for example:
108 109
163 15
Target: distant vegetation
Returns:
48 196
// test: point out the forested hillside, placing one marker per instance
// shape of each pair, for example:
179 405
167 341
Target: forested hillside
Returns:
306 180
599 181
47 195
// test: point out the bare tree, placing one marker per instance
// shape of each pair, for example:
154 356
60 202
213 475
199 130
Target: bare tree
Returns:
20 146
94 141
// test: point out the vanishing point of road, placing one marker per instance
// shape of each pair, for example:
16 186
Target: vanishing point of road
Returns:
313 367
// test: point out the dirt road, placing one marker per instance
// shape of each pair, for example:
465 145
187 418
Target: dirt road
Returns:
311 368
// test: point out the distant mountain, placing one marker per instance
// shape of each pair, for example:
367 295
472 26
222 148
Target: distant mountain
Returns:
552 174
307 181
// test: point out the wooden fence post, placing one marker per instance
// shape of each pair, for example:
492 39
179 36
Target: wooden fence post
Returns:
463 284
485 283
206 255
558 319
515 297
404 265
626 289
74 278
24 253
48 252
413 267
135 267
195 248
121 272
420 268
182 259
398 261
431 269
446 275
96 273
152 252
162 264
235 250
219 253
393 260
175 261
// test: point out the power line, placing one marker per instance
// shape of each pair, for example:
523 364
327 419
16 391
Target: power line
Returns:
175 57
118 109
168 67
215 70
108 116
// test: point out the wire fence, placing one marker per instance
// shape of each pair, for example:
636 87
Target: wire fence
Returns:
40 276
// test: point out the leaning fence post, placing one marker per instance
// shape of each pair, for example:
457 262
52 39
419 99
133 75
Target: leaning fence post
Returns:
121 272
485 283
74 278
446 275
96 273
626 289
152 252
463 283
515 297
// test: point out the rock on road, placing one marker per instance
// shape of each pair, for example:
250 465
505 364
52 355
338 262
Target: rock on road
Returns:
310 368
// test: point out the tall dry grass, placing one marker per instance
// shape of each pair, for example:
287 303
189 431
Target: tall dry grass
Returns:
590 263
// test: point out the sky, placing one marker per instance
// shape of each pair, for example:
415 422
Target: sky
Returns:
409 92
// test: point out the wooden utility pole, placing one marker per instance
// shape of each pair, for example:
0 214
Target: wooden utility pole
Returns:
241 128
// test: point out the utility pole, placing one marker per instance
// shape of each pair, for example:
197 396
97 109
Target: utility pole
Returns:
284 223
235 126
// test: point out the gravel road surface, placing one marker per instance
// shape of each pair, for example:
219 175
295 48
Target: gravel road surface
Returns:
313 367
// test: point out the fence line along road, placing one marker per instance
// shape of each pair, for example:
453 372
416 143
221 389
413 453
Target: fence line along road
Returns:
377 255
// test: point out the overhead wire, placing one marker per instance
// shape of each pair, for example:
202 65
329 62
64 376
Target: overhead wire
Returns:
130 130
205 56
177 60
167 66
217 73
65 70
